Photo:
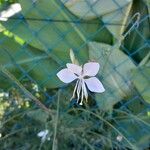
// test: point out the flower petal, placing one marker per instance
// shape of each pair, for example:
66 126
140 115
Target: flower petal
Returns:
66 76
42 133
91 69
79 89
94 85
74 68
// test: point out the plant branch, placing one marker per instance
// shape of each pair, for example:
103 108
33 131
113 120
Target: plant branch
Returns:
29 94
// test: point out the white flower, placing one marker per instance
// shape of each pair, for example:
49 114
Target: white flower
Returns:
43 135
119 138
12 10
85 79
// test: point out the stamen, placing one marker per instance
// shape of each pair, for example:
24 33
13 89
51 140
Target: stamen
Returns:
85 91
74 91
82 94
79 90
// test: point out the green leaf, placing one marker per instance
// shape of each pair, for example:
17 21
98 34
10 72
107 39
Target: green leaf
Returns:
113 13
114 70
21 28
50 44
1 28
146 60
141 80
92 9
115 21
51 38
50 28
23 60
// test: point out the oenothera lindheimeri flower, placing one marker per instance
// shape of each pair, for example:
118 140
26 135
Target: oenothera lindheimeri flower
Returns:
85 76
43 135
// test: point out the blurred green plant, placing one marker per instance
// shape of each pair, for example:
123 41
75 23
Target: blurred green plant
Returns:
7 1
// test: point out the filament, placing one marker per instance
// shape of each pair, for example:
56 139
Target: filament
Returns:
74 91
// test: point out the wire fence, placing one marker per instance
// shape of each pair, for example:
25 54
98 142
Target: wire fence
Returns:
35 44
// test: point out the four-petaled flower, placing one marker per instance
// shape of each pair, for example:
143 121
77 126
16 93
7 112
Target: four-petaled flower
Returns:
85 79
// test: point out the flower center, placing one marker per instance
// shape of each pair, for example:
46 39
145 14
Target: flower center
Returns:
81 77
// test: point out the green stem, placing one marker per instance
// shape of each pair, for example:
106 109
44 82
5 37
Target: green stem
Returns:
13 78
86 142
109 124
133 116
54 147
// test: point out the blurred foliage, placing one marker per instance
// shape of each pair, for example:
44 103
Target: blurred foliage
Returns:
34 46
77 127
8 1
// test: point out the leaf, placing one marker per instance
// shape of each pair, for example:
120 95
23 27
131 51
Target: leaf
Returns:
53 43
115 21
38 115
48 27
40 34
53 39
24 61
114 70
90 9
141 81
1 28
113 13
21 28
136 43
146 60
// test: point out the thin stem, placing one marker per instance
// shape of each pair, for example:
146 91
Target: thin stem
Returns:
105 137
109 124
40 147
133 117
13 78
14 116
13 133
54 147
86 142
